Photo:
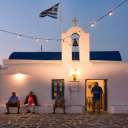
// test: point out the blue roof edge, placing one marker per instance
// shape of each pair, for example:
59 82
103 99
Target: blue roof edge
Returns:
94 55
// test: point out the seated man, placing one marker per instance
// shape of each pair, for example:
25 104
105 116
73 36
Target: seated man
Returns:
59 102
31 101
13 102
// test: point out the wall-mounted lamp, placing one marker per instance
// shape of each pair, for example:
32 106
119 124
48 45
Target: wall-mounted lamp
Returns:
74 74
19 76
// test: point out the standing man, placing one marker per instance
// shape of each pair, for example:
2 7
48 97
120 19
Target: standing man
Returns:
31 101
13 102
96 91
59 102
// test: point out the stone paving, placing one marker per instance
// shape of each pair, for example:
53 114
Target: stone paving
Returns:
86 120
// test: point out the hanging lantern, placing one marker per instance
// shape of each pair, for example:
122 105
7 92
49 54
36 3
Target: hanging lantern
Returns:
75 43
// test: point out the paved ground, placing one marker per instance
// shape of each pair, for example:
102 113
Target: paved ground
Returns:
87 120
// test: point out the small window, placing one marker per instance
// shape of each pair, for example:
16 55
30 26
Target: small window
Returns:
57 86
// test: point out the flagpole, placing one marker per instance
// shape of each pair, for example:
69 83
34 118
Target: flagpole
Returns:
60 18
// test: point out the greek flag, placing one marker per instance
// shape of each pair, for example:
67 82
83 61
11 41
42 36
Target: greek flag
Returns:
52 12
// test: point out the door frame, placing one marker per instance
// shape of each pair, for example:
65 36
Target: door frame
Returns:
106 92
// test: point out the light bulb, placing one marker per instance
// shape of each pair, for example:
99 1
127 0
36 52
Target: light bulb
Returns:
46 40
92 24
36 39
110 13
19 36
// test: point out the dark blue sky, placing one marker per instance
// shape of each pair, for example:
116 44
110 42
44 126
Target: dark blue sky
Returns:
22 16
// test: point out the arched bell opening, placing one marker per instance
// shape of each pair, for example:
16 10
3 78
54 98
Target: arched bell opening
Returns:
75 46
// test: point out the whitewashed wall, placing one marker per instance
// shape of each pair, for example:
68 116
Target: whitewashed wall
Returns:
38 76
116 73
0 80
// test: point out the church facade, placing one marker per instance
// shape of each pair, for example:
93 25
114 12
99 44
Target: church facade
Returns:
69 72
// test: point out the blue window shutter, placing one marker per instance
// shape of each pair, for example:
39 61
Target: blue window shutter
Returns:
58 87
63 88
53 89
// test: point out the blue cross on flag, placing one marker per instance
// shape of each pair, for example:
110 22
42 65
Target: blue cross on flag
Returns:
52 12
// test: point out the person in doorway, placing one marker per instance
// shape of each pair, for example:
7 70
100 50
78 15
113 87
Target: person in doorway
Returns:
31 101
13 102
96 91
59 102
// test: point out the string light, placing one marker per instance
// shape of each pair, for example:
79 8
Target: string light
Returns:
109 13
36 39
92 24
19 36
101 17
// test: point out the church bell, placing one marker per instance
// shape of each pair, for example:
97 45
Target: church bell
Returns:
75 43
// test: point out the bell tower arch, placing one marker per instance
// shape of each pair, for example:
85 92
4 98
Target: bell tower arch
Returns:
84 50
75 47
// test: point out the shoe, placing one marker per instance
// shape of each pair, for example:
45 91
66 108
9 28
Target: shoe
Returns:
18 112
64 112
53 113
98 112
33 113
7 113
93 111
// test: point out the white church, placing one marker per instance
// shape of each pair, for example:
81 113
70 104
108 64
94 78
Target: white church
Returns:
69 72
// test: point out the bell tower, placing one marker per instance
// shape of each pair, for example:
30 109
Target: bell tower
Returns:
84 51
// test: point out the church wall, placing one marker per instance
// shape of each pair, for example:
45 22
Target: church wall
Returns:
114 72
37 77
0 81
117 84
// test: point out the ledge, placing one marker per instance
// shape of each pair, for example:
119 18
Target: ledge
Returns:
46 109
119 109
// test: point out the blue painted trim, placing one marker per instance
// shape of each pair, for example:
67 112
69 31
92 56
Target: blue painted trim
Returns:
52 89
94 55
105 98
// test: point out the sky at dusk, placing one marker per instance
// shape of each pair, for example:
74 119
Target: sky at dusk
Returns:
22 17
